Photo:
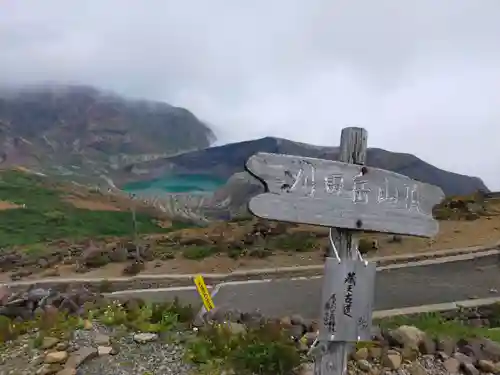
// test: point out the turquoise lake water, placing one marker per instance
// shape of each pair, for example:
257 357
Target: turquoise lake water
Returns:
177 184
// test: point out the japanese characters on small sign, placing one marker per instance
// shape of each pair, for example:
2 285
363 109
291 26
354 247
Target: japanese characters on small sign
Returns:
347 300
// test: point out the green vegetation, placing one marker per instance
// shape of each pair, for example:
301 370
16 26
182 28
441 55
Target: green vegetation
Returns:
199 252
295 241
136 317
265 350
437 325
45 216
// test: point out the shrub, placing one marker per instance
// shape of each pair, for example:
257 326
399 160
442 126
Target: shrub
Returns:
133 269
266 350
198 252
366 245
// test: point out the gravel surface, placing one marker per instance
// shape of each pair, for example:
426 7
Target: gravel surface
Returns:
151 358
159 357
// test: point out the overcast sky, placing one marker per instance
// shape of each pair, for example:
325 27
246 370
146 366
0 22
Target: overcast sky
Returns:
423 76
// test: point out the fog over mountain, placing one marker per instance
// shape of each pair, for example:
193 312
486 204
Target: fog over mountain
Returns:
423 76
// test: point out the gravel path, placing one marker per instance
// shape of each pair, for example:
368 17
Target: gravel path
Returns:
158 357
139 359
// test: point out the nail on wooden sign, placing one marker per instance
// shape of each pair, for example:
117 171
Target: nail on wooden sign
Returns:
335 194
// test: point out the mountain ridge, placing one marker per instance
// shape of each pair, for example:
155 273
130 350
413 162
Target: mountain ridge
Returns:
226 160
81 127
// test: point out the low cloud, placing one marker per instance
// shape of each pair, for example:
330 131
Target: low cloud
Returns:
423 77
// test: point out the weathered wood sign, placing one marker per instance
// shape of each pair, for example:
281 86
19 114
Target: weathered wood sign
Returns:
335 194
347 300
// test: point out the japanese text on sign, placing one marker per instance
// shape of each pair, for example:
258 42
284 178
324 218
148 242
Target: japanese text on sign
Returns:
204 293
357 189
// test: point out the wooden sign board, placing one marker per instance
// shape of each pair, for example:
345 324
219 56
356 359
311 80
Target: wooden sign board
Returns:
347 300
335 194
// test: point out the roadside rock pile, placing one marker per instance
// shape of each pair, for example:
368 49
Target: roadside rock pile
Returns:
468 208
25 305
123 338
403 350
94 350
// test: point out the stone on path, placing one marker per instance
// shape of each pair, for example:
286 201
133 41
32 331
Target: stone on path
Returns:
452 365
392 359
81 355
101 340
56 357
49 342
104 350
408 336
143 338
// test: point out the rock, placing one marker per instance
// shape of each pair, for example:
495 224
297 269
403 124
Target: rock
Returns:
101 340
470 369
87 325
104 350
67 371
497 368
409 353
462 358
49 342
452 365
297 320
236 328
375 352
313 326
62 346
442 356
94 257
49 369
306 369
143 338
392 359
427 346
484 348
286 321
407 336
4 294
134 268
81 355
118 254
417 369
296 331
486 366
446 345
56 357
221 315
361 354
253 319
364 365
115 349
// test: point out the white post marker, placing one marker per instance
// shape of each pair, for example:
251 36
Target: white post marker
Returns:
347 197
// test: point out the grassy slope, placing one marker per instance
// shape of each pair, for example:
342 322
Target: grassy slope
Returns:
47 217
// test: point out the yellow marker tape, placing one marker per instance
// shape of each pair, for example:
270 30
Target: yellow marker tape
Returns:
204 293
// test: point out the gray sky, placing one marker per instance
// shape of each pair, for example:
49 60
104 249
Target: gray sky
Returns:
423 76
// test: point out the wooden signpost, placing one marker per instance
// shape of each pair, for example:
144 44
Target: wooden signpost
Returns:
348 197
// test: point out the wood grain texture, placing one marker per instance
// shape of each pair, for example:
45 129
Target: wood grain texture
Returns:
353 145
354 323
353 150
331 193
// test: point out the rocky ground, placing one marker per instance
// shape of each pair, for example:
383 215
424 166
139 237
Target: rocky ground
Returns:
223 247
82 333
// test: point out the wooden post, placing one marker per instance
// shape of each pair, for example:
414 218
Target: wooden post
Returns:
347 197
134 228
333 356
